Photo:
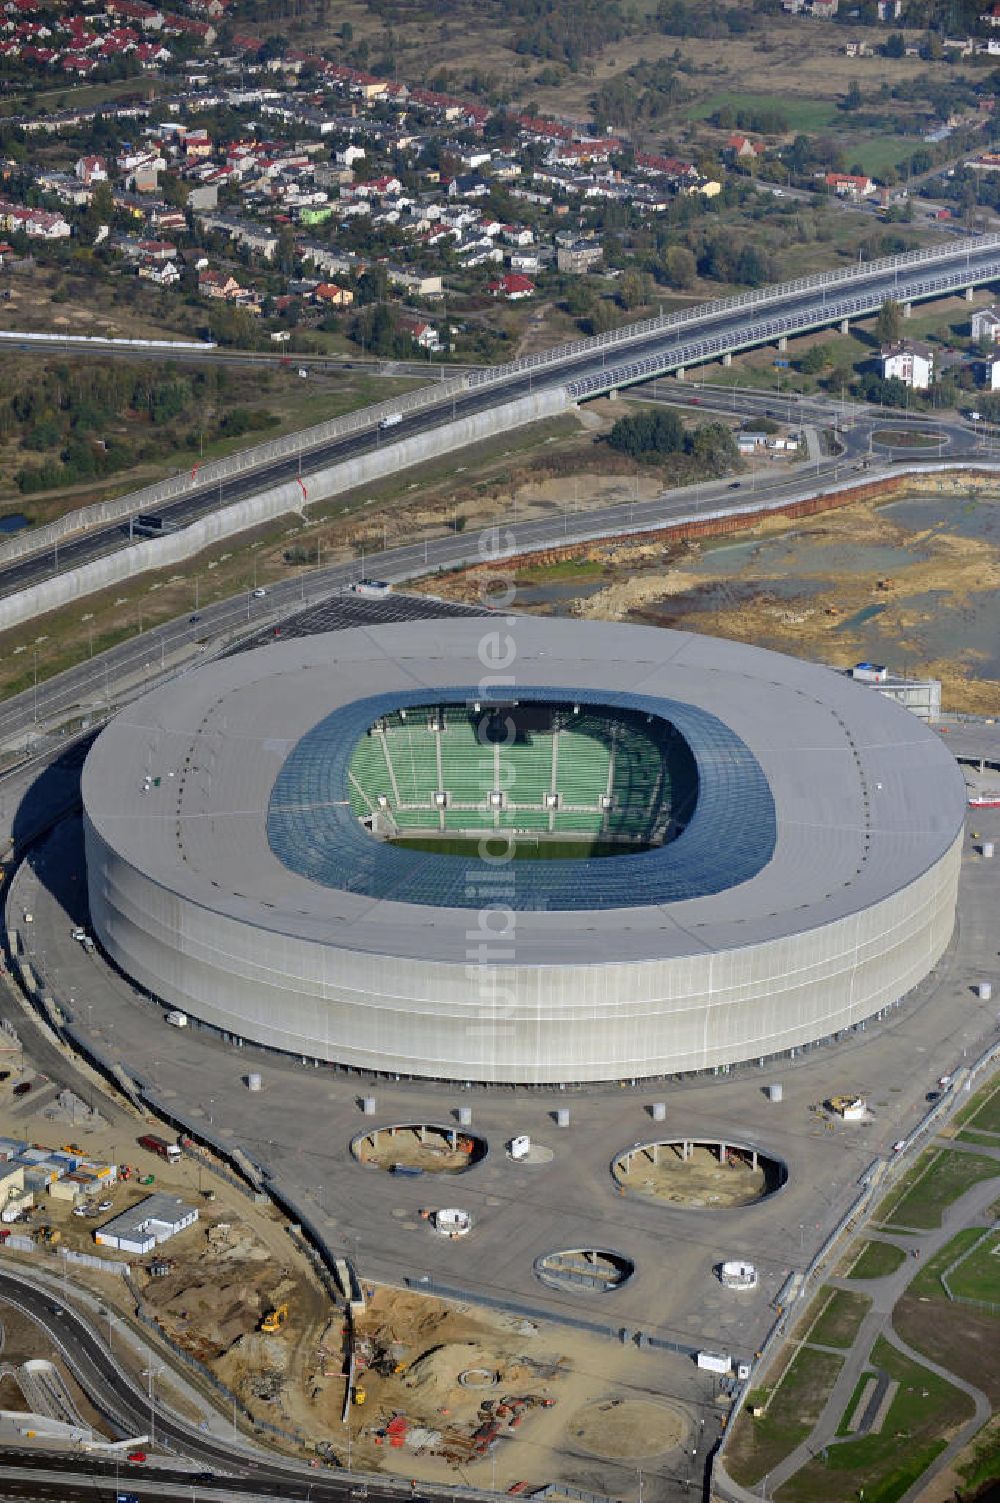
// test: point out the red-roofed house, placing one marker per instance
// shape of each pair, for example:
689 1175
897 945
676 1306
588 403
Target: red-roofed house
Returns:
849 184
513 287
91 170
422 333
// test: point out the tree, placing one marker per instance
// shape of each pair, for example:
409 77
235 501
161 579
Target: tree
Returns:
895 45
633 290
813 360
679 266
890 322
854 98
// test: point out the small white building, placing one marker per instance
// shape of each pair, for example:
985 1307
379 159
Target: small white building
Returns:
985 324
145 1225
909 361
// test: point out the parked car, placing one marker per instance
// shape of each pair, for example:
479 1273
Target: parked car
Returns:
105 1205
22 1088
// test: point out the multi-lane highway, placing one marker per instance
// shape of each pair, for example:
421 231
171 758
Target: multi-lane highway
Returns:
585 368
91 688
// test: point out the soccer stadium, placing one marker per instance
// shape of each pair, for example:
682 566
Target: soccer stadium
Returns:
522 851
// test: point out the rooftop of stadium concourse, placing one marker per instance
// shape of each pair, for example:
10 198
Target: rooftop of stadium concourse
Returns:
313 818
865 798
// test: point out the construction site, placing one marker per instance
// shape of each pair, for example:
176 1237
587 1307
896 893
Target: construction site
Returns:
369 1376
699 1175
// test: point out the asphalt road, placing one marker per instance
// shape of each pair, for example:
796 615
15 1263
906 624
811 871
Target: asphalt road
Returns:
586 366
90 688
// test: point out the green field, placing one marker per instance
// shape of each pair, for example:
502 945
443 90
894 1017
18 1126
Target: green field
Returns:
876 1260
875 155
983 1111
927 1284
886 1465
978 1277
937 1179
758 1445
840 1318
801 114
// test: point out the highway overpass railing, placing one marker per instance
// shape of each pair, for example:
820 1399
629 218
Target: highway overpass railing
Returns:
725 307
293 445
827 311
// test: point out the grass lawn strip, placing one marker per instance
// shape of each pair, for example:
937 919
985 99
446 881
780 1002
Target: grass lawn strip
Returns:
928 1281
840 1320
941 1178
792 1411
876 1260
977 1275
983 1111
926 1409
861 1390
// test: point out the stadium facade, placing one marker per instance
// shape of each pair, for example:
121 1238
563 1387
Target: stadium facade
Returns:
733 853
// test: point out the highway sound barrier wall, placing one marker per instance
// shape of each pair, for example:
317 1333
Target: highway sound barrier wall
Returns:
174 547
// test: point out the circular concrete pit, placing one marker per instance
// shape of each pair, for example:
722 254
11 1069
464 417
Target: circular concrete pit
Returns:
415 1148
708 1174
586 1270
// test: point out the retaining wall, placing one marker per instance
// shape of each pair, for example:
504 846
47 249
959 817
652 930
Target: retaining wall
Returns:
216 471
175 547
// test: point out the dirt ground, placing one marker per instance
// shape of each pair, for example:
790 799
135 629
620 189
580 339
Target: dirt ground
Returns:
701 1181
441 1380
429 1149
800 599
628 1429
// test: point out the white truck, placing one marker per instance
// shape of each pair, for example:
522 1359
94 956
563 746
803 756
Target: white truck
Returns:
715 1362
391 419
177 1019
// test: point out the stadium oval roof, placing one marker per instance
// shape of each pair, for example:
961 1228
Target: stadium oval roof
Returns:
863 797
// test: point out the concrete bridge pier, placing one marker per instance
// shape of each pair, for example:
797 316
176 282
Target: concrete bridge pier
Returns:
907 310
727 358
845 325
783 343
970 293
680 373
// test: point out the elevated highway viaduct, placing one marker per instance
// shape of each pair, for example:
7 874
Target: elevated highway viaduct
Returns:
583 369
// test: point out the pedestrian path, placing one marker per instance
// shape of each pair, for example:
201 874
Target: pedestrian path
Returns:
885 1293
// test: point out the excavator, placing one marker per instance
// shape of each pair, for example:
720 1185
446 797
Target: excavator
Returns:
274 1320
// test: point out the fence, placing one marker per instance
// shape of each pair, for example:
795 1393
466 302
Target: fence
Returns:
174 547
216 472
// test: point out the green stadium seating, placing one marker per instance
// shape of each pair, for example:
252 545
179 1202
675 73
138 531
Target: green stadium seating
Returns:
643 765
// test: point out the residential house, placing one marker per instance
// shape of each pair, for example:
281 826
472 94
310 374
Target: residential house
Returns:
422 333
157 250
513 287
909 361
991 17
850 185
91 170
160 273
218 284
740 148
333 296
579 256
889 10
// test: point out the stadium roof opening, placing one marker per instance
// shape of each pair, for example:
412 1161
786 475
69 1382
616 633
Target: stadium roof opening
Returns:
381 754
